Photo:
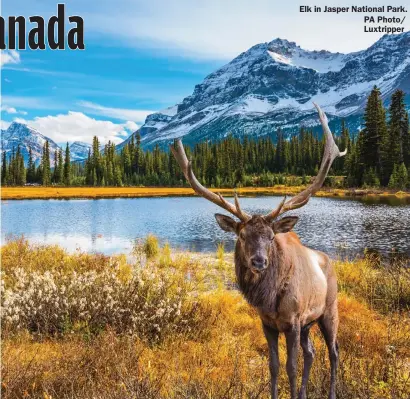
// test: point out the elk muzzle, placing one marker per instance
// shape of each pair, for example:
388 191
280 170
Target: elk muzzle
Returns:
258 263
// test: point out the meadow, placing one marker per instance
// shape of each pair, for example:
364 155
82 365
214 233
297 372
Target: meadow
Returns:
167 324
56 192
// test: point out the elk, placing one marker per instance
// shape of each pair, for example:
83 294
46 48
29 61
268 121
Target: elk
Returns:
291 286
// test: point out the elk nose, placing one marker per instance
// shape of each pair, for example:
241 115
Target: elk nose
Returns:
259 262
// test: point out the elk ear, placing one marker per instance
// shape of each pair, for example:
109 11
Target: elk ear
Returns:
285 224
226 223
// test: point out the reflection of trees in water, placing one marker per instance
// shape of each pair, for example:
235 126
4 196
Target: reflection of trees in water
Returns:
391 200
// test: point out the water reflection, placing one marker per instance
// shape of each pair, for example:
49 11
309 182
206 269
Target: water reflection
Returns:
391 200
110 225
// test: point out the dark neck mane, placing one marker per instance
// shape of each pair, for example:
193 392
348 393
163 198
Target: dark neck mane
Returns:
262 291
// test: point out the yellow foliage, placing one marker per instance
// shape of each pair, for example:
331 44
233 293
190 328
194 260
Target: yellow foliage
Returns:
222 353
9 193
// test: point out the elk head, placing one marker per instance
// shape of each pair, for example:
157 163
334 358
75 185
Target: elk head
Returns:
256 233
255 237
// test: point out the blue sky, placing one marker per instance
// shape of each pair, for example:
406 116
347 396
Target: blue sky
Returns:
142 56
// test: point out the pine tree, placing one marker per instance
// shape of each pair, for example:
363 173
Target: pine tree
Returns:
46 171
374 135
4 169
31 168
55 171
67 166
398 130
393 181
60 176
117 177
402 177
138 156
21 170
110 174
370 178
96 161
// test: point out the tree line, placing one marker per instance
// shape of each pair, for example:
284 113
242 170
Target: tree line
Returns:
14 172
379 155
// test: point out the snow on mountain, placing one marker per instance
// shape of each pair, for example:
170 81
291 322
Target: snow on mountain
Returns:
273 84
153 123
25 136
79 150
321 61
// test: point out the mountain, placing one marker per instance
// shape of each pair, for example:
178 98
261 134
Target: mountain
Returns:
273 84
79 150
25 136
153 123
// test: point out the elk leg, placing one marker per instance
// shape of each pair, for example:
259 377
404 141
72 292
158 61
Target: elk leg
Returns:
292 346
308 356
272 336
328 324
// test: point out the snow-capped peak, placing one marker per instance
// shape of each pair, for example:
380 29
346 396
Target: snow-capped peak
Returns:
19 134
273 85
322 61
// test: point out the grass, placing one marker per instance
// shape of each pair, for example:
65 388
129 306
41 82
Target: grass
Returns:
211 347
15 193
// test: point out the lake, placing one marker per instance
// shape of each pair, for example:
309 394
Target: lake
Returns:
336 226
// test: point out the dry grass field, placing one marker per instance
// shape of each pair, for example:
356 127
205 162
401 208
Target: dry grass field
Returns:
91 326
38 192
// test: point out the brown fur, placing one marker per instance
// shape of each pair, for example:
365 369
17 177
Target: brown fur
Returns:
296 288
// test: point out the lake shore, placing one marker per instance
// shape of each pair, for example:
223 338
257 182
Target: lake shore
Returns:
21 193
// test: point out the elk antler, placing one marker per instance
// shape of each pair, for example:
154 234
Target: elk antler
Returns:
186 166
331 152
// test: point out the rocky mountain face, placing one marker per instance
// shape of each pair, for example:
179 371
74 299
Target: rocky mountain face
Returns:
272 85
25 136
153 123
79 150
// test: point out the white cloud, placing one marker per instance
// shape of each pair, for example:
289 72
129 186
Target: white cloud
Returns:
4 124
11 110
7 80
9 57
76 126
131 126
117 113
8 110
215 28
223 29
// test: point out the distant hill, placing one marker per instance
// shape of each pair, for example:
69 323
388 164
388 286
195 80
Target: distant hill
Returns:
79 150
25 136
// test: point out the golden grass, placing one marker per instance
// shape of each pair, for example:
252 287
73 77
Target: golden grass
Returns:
225 355
13 193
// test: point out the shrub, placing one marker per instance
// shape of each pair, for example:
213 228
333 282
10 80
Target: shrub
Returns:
220 253
144 302
165 258
151 246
